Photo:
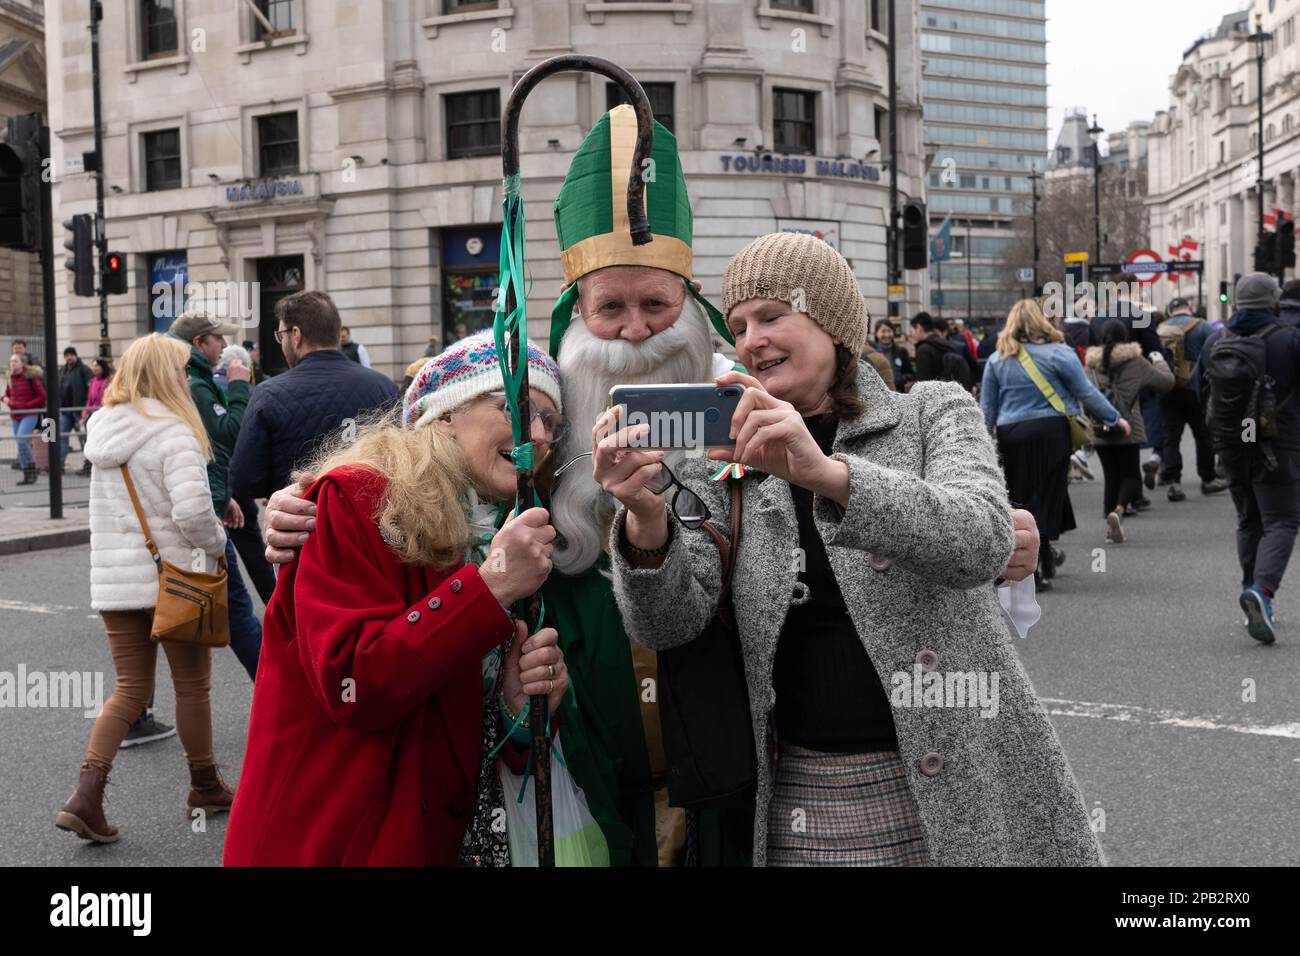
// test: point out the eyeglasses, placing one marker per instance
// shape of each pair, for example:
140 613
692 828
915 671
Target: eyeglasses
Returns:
281 333
554 425
689 507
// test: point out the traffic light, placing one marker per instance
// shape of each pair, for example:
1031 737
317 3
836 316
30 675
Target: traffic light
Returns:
1223 291
1284 256
80 263
113 273
1264 255
20 184
916 236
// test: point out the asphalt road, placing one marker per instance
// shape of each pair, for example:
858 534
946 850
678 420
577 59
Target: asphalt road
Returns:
1143 667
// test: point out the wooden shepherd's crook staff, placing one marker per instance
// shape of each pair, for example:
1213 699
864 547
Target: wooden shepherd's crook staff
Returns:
639 226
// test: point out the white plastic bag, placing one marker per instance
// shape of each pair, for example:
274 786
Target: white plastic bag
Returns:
578 839
1020 605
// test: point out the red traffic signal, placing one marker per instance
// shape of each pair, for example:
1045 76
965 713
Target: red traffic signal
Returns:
113 274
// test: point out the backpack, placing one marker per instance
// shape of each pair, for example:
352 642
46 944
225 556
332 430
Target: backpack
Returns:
953 366
1242 409
1173 338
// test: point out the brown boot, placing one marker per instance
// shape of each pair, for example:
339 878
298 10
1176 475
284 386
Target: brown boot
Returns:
83 814
208 792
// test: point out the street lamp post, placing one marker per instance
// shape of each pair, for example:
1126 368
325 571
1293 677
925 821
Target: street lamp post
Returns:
1095 132
1034 177
970 314
1259 38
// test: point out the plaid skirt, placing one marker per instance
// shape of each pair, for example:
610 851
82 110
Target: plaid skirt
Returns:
843 810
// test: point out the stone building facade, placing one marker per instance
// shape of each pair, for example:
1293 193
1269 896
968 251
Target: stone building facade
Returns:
353 146
22 90
1203 150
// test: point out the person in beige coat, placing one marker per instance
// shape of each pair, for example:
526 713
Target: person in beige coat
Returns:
1120 371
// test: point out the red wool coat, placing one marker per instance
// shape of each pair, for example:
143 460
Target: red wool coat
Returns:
365 738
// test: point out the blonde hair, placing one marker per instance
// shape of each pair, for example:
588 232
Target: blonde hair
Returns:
1026 323
420 514
149 369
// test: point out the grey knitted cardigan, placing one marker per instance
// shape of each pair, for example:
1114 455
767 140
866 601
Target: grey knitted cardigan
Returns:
926 532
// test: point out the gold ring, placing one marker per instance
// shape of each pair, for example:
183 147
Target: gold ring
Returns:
550 686
550 670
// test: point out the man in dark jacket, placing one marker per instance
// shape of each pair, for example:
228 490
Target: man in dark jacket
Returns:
1180 406
1288 310
74 390
321 392
937 359
222 415
1268 513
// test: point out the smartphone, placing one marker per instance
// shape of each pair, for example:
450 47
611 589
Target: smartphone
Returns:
680 416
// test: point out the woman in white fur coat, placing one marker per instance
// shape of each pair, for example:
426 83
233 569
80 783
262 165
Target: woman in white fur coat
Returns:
148 423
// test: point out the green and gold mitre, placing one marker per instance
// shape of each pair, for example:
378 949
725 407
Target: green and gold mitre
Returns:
591 213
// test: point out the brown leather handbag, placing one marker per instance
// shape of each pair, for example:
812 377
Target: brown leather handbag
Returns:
193 606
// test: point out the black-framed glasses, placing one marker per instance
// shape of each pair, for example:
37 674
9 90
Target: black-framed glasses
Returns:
281 333
689 507
554 425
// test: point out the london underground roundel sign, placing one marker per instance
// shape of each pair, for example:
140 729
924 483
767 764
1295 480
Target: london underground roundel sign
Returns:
1145 266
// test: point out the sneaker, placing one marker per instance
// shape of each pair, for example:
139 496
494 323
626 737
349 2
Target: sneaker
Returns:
146 730
1080 462
1058 556
1176 493
1213 487
1130 511
1114 528
1149 469
1259 615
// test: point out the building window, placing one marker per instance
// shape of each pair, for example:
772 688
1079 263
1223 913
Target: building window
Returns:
659 94
162 159
473 124
461 6
882 130
280 15
158 22
805 6
167 277
878 16
277 144
794 128
470 261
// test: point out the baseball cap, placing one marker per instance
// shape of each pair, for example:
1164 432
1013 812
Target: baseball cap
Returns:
192 324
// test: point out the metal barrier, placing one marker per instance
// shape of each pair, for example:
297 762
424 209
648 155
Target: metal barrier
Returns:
40 446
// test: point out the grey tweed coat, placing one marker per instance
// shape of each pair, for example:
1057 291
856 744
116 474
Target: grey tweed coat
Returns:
926 532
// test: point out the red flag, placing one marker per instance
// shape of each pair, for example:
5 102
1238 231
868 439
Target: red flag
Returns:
1190 243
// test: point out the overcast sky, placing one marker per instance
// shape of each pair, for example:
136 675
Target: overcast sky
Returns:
1115 57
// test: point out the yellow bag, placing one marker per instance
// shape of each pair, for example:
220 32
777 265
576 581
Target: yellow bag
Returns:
193 606
1080 426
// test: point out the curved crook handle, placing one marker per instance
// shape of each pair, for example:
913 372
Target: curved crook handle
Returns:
638 223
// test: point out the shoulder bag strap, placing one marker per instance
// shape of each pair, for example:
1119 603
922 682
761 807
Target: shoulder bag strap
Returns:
1044 386
139 513
728 552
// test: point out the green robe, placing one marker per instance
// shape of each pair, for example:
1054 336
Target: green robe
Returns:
605 742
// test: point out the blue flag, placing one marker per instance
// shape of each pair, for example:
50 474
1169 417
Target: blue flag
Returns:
941 244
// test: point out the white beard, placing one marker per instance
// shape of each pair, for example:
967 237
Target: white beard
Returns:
589 367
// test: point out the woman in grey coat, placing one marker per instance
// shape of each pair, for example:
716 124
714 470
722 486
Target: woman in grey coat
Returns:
903 728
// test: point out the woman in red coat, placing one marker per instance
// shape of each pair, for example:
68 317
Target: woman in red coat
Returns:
383 686
25 395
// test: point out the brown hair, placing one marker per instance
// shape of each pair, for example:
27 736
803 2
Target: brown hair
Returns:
314 314
844 386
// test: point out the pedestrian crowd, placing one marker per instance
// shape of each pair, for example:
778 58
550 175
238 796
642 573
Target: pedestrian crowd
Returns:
722 638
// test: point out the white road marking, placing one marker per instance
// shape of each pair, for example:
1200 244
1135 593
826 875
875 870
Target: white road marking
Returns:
36 608
1168 718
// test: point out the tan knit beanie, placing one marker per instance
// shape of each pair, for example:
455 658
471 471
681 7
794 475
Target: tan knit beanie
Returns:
803 270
